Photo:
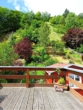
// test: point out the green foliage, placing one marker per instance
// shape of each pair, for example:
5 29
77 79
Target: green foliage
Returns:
58 70
66 12
39 54
58 46
50 61
3 81
9 20
80 49
3 19
38 16
45 16
71 21
72 56
12 39
60 29
62 20
27 19
61 81
43 35
75 57
7 54
56 19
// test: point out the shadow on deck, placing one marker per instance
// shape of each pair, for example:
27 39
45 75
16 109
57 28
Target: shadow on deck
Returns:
37 98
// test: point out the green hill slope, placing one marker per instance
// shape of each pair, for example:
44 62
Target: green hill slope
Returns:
53 34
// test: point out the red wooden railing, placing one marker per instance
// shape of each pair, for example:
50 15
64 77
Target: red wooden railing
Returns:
28 77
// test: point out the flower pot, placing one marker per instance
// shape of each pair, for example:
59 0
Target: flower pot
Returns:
61 86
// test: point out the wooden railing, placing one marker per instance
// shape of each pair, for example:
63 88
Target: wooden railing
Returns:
78 84
27 76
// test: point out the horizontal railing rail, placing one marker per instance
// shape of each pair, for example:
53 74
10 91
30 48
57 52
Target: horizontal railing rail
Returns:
74 82
27 76
78 84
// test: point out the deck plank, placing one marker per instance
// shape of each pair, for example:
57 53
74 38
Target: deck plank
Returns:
41 100
20 99
46 99
37 98
30 99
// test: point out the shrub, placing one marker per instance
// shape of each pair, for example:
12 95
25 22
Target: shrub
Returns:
7 54
24 48
60 28
80 49
73 38
58 46
39 54
3 81
50 61
61 81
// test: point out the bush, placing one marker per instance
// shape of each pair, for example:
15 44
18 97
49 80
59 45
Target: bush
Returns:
3 81
61 81
7 54
39 54
57 46
60 28
24 48
80 49
73 38
50 61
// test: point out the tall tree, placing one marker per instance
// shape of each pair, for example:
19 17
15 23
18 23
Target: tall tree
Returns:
43 35
13 20
45 16
71 21
66 12
27 19
3 19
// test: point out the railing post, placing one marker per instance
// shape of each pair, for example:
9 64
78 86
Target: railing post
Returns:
27 78
64 74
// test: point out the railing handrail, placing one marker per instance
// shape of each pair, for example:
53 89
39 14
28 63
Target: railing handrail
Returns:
31 68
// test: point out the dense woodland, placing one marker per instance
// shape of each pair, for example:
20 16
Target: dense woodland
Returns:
25 38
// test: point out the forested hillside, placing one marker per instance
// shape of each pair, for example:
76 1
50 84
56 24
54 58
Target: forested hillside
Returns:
40 39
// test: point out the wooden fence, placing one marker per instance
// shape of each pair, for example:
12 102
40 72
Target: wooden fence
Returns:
27 76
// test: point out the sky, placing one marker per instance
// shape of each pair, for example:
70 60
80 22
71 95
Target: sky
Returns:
53 7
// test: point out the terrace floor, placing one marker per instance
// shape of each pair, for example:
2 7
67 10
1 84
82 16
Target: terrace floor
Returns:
37 98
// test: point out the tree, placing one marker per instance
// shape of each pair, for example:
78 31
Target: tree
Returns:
62 20
24 48
3 19
43 35
9 20
66 12
7 54
38 16
73 37
45 16
13 20
56 19
80 15
71 21
27 19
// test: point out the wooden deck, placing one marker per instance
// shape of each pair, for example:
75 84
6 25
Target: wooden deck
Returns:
37 98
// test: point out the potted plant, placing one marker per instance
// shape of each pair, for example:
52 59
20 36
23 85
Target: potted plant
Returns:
61 81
